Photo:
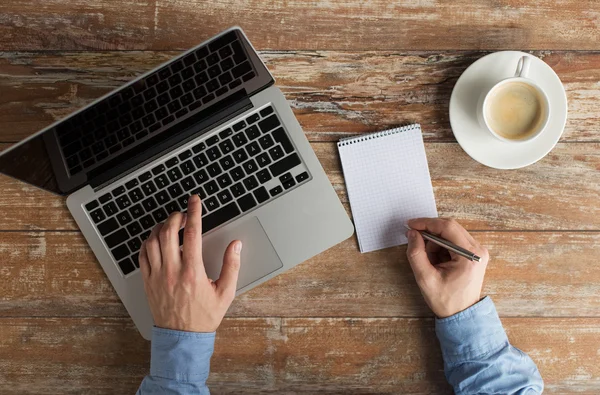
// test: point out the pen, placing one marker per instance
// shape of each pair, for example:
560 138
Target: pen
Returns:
447 244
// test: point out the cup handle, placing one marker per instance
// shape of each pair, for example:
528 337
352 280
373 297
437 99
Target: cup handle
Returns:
523 67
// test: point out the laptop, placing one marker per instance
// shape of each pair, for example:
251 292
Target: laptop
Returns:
208 122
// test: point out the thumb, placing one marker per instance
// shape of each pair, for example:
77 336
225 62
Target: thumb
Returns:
227 282
417 256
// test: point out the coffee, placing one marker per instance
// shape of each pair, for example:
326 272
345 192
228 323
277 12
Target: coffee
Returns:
515 110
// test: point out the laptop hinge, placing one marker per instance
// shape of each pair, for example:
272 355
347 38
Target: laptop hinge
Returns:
198 124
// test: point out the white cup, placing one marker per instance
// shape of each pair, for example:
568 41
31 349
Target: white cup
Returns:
520 76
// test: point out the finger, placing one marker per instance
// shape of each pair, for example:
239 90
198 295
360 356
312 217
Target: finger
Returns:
169 239
192 235
417 256
433 250
447 229
227 282
153 249
144 263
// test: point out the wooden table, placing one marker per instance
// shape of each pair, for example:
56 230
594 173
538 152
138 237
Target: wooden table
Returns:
342 322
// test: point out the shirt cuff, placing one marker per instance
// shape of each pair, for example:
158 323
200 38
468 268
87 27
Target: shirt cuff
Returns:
181 356
472 333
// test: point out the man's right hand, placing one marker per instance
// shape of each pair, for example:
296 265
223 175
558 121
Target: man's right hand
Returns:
449 282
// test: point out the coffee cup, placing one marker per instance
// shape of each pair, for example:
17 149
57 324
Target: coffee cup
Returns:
516 109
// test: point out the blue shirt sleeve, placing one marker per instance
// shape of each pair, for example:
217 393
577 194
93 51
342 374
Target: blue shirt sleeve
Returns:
179 363
478 359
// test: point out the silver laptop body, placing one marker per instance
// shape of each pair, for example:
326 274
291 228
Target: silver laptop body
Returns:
258 177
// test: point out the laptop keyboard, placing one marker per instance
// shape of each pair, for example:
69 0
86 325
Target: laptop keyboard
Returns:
233 171
153 103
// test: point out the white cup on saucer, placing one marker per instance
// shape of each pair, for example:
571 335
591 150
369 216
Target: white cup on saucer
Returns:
516 109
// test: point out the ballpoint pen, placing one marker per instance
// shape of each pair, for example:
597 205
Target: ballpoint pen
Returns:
447 244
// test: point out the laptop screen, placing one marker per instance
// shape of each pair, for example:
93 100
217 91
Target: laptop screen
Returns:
150 114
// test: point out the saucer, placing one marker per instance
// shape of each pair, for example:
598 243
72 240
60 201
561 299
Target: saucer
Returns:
478 142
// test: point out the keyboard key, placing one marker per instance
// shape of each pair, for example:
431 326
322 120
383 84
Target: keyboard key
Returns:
211 187
212 59
225 52
168 120
123 202
222 41
240 155
227 64
253 148
174 106
147 222
263 159
235 83
131 184
200 160
276 152
116 238
172 207
266 111
124 218
226 146
263 176
149 188
301 177
92 205
162 198
247 202
110 209
252 132
224 180
174 174
224 196
269 124
237 173
207 98
220 216
135 258
240 139
212 140
172 162
158 169
183 201
211 203
248 76
214 169
200 192
266 142
149 204
108 226
213 153
187 167
289 183
185 155
160 215
145 235
126 266
134 244
145 176
134 229
252 118
276 191
237 189
118 191
198 147
282 138
105 198
250 183
175 190
214 71
284 164
161 181
97 216
285 177
239 126
136 211
202 52
188 184
201 78
261 195
227 162
201 176
120 252
186 99
241 69
250 166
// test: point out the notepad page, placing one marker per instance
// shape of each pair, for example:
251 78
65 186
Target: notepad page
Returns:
388 183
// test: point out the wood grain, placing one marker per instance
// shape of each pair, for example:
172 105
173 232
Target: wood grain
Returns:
55 274
272 355
348 25
333 94
559 192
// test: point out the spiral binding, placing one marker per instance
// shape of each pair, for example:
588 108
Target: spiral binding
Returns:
361 138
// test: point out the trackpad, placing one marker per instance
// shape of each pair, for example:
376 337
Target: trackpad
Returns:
258 255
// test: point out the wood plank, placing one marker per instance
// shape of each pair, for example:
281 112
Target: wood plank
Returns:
333 94
559 192
331 355
55 274
348 25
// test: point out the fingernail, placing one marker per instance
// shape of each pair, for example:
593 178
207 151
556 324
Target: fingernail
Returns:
412 234
238 247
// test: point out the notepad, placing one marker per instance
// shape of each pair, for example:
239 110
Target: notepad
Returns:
388 183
